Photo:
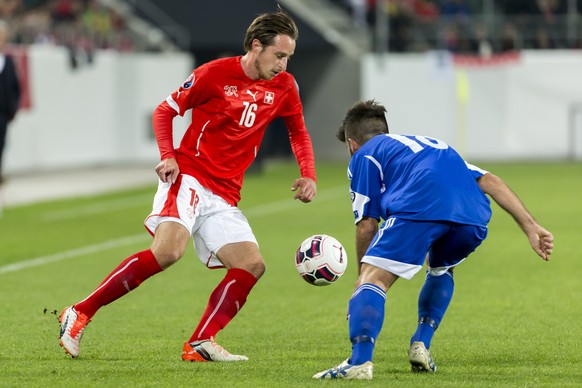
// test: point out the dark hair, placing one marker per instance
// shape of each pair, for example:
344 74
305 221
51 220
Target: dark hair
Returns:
267 26
364 120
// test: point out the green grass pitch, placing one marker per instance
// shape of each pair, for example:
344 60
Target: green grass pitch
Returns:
514 320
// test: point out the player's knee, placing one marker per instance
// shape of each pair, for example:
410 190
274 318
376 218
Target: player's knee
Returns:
256 268
166 256
377 276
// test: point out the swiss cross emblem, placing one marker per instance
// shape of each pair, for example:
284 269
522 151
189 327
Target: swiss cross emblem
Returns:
269 98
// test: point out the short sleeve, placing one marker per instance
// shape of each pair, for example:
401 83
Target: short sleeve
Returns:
366 187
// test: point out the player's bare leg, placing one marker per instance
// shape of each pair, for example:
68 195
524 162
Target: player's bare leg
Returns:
170 243
243 255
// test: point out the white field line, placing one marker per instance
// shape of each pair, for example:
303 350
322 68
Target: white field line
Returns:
257 211
96 208
60 256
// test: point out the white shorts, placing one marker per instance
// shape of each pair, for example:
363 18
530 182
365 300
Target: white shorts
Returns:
211 220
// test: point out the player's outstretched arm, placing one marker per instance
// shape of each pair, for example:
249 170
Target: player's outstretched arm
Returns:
305 189
540 239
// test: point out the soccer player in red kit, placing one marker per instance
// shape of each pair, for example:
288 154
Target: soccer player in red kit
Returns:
232 100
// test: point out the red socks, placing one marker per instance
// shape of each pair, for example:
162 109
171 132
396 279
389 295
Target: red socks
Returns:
225 302
125 277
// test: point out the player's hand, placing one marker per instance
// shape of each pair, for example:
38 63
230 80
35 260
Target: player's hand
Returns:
542 241
168 170
305 188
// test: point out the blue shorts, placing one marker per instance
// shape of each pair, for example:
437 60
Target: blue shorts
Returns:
401 246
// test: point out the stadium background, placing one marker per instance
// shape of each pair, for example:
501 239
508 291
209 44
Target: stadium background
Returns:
93 71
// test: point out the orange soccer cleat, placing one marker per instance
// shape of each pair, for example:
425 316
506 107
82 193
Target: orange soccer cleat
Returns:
73 325
208 350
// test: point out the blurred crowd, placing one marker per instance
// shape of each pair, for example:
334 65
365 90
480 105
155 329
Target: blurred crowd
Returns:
473 26
80 25
460 26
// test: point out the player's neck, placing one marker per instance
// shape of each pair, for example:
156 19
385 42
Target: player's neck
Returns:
248 67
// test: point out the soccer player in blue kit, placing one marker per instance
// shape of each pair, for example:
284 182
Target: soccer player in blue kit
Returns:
434 207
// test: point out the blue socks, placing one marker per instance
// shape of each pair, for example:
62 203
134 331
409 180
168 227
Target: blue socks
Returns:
366 315
434 298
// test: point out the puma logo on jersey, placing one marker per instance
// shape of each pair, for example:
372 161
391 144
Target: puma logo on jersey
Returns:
254 95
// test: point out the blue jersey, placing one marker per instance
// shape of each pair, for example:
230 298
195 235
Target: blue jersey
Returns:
415 178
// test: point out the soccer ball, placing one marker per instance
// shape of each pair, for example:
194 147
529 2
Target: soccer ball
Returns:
321 260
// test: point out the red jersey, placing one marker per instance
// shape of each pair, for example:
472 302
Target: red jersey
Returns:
230 113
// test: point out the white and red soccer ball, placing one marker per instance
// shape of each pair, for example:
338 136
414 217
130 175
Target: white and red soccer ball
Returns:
321 260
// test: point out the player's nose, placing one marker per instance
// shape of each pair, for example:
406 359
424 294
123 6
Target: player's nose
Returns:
283 63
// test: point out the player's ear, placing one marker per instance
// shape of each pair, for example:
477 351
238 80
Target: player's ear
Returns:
256 46
352 145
